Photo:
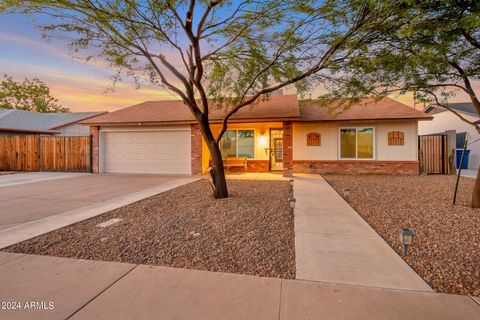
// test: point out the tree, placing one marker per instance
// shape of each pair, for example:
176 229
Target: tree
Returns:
213 53
31 95
431 48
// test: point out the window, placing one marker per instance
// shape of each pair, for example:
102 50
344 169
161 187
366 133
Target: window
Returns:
396 138
238 143
461 139
313 139
356 143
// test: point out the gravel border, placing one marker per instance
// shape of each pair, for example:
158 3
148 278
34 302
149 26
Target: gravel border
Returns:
446 251
251 232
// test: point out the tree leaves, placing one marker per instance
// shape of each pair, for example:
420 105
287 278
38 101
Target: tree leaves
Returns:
30 95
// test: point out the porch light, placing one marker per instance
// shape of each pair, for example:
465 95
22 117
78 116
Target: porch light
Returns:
346 193
405 236
263 142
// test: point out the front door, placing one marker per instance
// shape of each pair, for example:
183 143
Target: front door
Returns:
276 149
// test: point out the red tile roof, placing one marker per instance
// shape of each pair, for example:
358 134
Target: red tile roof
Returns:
275 108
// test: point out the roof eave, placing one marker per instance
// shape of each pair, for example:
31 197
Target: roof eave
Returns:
78 121
29 131
371 119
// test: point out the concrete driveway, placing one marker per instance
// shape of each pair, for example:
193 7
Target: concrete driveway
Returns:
33 199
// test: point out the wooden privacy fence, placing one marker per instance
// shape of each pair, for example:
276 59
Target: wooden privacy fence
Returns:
434 155
39 153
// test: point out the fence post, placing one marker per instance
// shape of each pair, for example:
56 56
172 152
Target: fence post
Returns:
452 147
91 154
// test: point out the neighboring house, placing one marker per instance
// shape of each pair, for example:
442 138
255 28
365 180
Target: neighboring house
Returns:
279 134
444 120
21 122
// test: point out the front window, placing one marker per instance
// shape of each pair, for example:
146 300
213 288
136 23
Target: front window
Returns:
238 143
356 143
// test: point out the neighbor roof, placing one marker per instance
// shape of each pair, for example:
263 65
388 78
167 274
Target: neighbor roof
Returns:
467 107
275 108
34 122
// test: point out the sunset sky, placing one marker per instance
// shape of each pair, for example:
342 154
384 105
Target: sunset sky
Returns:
78 85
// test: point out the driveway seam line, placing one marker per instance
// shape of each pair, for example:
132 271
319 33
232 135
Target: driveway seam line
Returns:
280 300
102 291
475 300
365 286
8 261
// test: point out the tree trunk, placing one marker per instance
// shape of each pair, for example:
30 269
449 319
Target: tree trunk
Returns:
476 191
221 190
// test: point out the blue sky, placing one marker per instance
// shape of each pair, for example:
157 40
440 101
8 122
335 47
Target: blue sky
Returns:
78 85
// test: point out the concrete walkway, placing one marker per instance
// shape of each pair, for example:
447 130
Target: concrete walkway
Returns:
469 173
33 209
80 289
334 244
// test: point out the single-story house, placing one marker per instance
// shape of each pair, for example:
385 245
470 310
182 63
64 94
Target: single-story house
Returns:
444 120
21 122
279 134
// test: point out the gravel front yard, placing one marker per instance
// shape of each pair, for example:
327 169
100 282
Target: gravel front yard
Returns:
446 251
250 233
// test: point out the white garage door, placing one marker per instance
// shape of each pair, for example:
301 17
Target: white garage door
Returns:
161 152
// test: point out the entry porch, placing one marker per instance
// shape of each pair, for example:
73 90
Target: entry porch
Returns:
265 146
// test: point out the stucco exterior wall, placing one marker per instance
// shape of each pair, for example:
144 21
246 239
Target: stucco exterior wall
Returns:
448 121
329 148
73 130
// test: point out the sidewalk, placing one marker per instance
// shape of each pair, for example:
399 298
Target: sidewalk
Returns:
81 289
334 244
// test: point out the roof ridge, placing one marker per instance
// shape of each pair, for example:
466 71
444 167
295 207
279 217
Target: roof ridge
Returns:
8 111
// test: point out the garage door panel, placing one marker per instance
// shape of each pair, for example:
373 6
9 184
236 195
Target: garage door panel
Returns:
160 152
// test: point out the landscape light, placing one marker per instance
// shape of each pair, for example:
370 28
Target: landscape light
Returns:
291 202
405 236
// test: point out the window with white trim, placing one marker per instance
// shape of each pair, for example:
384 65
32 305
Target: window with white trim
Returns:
357 143
238 143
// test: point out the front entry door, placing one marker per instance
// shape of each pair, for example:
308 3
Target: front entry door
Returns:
276 149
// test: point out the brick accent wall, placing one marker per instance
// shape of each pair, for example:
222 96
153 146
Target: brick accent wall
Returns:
356 167
94 133
196 149
287 149
252 166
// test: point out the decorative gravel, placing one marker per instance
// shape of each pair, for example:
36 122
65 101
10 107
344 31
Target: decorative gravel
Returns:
251 232
446 251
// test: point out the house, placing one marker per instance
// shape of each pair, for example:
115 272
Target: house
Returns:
279 134
21 122
444 120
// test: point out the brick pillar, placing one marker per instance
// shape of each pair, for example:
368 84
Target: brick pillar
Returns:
287 149
94 133
196 151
